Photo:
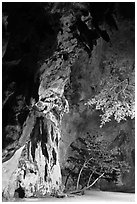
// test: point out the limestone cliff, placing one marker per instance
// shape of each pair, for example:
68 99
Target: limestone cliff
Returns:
55 58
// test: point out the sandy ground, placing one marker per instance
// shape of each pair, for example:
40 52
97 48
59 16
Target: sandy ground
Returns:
90 196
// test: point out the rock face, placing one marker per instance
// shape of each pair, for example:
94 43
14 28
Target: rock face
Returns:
49 71
37 170
86 77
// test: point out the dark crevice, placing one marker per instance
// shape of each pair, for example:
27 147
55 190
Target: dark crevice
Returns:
45 151
35 137
52 133
24 174
54 157
46 173
19 192
56 140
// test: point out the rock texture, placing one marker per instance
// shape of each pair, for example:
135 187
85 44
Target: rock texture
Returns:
37 169
50 69
86 77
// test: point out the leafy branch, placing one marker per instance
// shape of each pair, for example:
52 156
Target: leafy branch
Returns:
115 99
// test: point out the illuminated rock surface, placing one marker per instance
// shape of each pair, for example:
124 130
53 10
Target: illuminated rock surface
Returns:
50 69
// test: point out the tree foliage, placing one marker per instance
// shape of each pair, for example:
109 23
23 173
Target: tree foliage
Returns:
90 159
116 98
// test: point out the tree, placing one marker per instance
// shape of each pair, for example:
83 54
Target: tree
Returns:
116 98
91 160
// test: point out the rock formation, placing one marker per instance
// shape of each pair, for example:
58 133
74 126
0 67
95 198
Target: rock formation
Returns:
51 66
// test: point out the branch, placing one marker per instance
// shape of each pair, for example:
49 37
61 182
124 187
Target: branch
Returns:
94 181
69 175
86 188
80 174
90 177
81 171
